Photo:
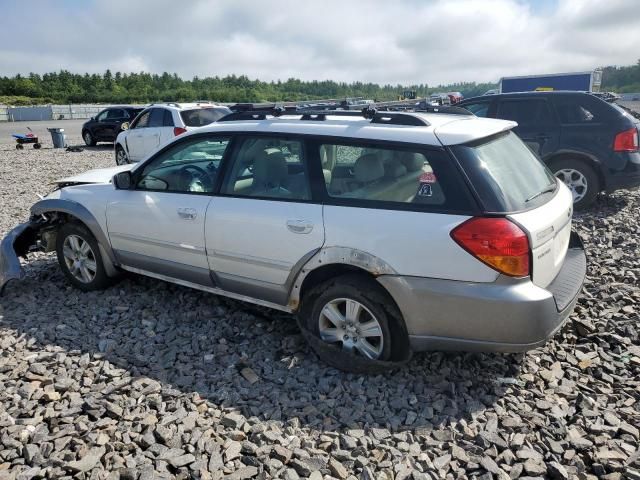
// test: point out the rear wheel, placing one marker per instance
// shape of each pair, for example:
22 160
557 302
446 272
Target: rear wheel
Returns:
353 314
581 179
121 156
37 146
88 138
80 259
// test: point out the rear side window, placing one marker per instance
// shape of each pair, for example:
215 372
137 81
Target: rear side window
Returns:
167 120
574 111
525 112
157 117
478 109
200 117
364 174
506 174
272 168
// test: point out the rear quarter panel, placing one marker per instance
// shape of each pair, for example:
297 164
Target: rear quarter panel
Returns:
412 243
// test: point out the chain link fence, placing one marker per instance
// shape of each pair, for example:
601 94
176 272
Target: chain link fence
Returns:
49 112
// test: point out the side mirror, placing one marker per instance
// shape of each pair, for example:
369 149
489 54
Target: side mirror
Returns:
124 126
93 119
122 180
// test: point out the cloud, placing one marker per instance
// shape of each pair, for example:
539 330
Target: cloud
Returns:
409 41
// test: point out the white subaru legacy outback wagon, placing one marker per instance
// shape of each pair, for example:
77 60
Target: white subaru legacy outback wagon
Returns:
385 232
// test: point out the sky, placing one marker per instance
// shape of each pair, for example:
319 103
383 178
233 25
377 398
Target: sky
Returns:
382 41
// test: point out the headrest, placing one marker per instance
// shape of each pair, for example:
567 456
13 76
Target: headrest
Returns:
394 169
270 168
412 161
368 168
327 176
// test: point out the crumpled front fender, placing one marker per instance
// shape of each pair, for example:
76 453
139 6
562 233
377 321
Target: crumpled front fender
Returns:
15 244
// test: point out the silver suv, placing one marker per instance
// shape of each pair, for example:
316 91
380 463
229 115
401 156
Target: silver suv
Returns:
385 232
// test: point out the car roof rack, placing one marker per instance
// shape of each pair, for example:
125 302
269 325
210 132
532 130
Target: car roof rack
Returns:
249 111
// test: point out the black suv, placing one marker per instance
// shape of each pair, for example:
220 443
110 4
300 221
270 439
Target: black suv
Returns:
588 143
106 126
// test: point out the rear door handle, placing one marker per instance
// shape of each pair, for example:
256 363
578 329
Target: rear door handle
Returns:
299 226
187 213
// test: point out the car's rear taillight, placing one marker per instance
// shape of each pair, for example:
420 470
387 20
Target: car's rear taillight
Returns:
626 141
499 243
178 131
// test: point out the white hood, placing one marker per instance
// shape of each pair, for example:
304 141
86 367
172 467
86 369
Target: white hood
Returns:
99 175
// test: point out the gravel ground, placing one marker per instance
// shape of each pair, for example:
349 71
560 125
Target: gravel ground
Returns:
150 380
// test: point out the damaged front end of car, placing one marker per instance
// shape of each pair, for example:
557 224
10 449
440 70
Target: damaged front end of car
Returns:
38 234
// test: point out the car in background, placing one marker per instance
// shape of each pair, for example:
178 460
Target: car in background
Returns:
590 144
455 97
440 99
159 123
106 126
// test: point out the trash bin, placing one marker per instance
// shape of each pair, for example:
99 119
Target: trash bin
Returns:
58 137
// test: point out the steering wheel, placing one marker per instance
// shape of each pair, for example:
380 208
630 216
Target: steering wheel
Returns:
198 180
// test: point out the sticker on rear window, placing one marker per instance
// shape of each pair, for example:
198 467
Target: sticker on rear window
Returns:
428 177
425 190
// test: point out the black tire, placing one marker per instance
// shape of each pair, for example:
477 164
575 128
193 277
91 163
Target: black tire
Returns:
593 186
37 146
395 345
121 156
88 138
19 146
100 280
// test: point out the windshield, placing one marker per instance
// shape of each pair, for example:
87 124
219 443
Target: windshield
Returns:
203 116
506 174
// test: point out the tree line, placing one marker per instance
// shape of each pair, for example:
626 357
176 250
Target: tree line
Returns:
66 87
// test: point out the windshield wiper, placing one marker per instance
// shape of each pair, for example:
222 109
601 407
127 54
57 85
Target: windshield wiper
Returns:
548 189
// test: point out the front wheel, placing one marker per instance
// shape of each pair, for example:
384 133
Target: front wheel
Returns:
80 259
354 315
581 179
88 138
121 156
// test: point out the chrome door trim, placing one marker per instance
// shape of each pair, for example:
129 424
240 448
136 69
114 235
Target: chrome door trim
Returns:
157 243
216 291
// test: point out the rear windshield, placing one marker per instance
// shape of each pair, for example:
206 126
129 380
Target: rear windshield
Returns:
506 174
200 117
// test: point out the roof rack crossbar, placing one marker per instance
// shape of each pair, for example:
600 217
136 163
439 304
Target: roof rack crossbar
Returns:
247 112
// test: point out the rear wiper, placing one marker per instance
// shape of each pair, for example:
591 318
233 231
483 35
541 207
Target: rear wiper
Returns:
548 189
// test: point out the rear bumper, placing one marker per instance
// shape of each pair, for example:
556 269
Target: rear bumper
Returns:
509 315
629 177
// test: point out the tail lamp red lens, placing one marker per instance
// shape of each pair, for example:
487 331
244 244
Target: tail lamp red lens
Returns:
498 242
626 141
178 131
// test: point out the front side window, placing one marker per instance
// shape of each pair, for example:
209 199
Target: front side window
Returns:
102 116
268 168
188 167
382 174
142 121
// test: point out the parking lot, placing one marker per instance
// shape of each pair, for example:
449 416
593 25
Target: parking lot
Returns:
152 380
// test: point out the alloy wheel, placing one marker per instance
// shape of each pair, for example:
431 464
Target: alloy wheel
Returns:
576 182
79 258
347 322
87 138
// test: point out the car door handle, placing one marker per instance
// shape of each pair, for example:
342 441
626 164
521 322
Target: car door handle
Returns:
299 226
187 213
